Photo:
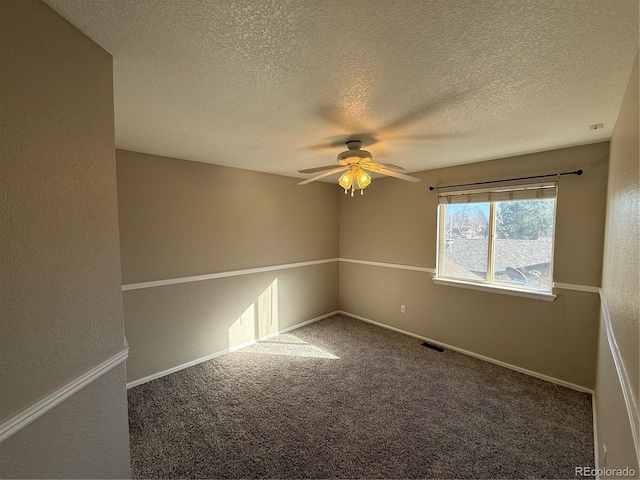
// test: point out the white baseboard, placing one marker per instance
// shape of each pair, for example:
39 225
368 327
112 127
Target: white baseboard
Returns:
35 411
164 373
596 445
531 373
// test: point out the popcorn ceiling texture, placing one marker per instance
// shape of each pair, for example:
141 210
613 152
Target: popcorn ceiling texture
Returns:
244 83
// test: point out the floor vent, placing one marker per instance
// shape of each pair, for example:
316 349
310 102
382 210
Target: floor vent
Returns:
433 347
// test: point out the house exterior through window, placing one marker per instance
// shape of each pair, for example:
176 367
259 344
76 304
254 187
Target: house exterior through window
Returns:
501 237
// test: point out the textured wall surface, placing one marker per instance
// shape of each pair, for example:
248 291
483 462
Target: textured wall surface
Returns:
612 418
555 339
396 222
620 280
61 310
77 439
171 325
181 218
621 285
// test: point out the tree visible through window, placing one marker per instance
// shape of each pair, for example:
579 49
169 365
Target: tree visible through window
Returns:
507 242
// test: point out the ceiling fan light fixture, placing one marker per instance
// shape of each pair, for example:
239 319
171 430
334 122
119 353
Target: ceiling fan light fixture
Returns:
346 180
353 163
355 175
363 179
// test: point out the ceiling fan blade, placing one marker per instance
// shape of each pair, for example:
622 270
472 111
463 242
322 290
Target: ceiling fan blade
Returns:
325 174
317 169
386 165
391 173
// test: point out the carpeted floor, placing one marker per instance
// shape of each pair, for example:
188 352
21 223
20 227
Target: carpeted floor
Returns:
341 398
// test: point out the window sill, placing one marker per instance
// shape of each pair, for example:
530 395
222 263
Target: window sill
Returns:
545 296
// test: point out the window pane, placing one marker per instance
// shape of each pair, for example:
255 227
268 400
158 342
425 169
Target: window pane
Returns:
465 241
523 243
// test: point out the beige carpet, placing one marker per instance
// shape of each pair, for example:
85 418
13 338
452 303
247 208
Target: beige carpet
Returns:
341 398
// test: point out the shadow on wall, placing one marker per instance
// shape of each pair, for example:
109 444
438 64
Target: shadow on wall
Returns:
261 322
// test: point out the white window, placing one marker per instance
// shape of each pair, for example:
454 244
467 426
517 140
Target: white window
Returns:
500 237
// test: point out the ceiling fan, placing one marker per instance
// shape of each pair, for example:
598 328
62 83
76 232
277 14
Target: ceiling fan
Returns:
355 162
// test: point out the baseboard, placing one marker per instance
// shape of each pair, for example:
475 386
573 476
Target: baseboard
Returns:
596 444
531 373
164 373
35 411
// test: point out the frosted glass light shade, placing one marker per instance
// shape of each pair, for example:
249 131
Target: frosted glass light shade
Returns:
363 178
346 180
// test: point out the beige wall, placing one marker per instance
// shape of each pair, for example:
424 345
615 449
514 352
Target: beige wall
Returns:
395 222
555 339
61 309
621 291
172 325
80 438
181 218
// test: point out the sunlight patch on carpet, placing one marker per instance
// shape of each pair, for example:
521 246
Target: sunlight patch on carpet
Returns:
290 345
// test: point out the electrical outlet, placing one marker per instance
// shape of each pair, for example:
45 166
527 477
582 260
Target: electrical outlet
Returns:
243 320
402 309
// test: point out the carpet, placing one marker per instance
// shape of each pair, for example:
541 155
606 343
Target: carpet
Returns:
341 398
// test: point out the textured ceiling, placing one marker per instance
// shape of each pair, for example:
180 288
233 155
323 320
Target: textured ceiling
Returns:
269 85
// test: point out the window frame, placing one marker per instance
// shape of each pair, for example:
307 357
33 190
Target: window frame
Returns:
489 284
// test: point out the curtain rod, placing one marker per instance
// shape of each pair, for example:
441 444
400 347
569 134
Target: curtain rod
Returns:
577 172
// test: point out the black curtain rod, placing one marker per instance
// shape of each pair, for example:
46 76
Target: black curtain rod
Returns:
577 172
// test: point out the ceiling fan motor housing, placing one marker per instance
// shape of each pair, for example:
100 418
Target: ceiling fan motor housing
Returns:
354 154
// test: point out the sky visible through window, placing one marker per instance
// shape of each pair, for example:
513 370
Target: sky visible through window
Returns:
459 207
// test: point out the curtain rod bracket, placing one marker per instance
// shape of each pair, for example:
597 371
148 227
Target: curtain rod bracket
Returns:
576 172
